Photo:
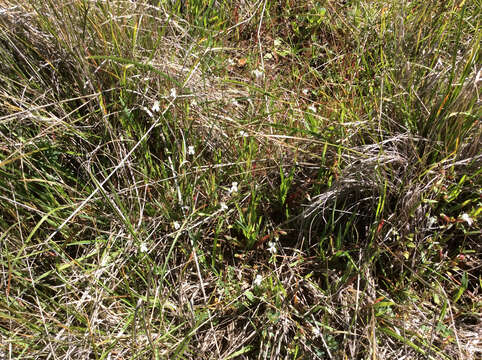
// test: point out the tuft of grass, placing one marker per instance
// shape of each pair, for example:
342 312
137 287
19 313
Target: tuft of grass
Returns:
240 180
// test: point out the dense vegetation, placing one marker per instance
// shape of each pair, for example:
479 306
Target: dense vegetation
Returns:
244 179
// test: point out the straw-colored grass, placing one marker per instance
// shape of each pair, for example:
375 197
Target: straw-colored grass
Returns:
240 180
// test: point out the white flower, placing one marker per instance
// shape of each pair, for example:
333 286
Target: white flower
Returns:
143 248
257 281
431 221
312 108
148 112
223 205
272 248
306 92
234 187
156 106
176 225
316 331
478 77
268 56
173 93
277 43
258 74
190 150
465 217
243 133
235 103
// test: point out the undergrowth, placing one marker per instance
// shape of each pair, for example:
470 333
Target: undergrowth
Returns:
240 180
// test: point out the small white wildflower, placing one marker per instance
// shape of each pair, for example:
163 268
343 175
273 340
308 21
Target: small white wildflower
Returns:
306 92
234 187
176 225
190 150
272 248
156 106
243 133
143 248
277 43
223 205
478 77
173 93
235 102
231 61
258 74
312 108
465 217
316 331
431 221
148 112
257 281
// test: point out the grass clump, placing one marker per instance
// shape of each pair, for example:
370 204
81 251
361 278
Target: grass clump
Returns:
240 180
